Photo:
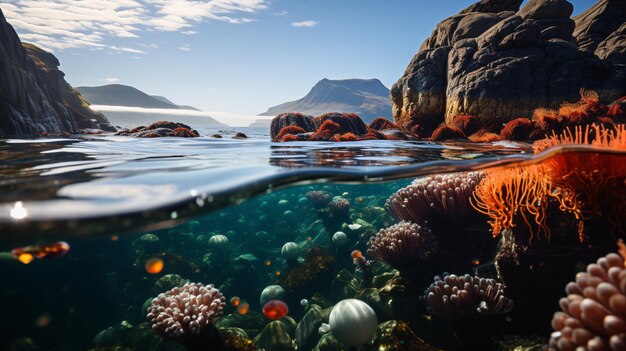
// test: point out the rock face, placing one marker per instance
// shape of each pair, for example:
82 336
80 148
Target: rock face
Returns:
34 97
498 64
368 98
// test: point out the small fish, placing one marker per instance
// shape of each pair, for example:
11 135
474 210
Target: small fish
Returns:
354 226
28 253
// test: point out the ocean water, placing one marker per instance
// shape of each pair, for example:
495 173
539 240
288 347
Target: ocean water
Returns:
138 216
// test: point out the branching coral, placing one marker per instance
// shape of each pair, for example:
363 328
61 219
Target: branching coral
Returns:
462 298
594 311
446 194
402 245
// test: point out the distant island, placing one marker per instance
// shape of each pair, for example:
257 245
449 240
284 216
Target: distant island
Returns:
368 98
128 106
124 95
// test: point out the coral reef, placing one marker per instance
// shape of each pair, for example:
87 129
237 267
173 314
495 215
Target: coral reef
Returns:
461 298
318 198
594 311
313 272
426 197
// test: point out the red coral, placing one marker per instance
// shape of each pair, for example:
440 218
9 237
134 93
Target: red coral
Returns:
468 124
348 137
289 137
289 130
184 133
517 129
446 131
617 109
381 123
326 131
483 136
373 134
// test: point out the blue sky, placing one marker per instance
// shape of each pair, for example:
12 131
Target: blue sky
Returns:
239 56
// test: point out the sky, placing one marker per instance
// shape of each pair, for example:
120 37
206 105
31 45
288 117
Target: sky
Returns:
234 56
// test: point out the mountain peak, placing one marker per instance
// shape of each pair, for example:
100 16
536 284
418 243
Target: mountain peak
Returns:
368 98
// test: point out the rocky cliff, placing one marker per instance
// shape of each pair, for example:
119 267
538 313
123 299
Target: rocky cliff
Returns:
34 96
499 62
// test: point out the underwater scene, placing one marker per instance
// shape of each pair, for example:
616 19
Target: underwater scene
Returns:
385 246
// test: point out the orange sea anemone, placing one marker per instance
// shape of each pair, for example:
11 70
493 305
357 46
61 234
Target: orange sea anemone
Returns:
506 193
593 180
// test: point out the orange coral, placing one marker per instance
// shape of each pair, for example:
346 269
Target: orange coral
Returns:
289 130
507 192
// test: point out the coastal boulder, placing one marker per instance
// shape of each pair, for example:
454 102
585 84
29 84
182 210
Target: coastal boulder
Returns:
290 119
507 64
419 95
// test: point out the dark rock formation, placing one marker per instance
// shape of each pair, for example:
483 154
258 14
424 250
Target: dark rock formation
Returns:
491 62
348 122
598 22
161 129
290 119
34 97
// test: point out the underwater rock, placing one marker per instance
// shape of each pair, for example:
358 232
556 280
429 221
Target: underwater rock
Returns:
272 292
168 282
395 335
307 330
316 271
251 323
236 339
142 338
329 343
275 336
290 251
109 336
344 286
21 344
353 322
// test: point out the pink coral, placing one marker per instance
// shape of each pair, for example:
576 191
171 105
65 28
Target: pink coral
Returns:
184 312
402 245
594 311
447 194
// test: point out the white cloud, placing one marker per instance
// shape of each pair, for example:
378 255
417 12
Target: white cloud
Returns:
306 24
112 79
125 49
70 24
185 48
281 13
189 32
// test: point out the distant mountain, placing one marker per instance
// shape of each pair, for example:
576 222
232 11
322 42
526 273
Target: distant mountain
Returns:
136 100
368 98
168 101
261 123
124 95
